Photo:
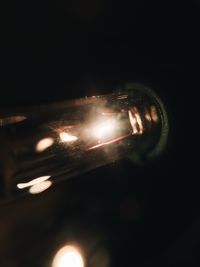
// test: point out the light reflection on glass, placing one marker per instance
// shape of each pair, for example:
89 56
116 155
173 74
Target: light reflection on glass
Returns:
43 144
114 140
40 187
122 97
138 119
154 114
68 256
66 137
147 115
33 182
11 120
135 121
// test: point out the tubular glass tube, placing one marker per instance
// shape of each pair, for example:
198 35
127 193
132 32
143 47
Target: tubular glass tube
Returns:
43 145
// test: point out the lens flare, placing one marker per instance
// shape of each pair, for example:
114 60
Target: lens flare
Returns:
68 256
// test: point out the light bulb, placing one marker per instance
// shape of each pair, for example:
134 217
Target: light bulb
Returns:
65 139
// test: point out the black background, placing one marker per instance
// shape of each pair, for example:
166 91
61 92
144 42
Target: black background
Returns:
75 48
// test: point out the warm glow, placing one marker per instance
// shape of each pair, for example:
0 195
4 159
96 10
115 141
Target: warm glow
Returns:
139 121
11 120
147 116
66 137
33 182
40 187
68 256
154 114
135 121
104 129
44 144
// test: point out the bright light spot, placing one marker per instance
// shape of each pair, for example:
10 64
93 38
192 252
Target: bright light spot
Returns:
104 129
68 256
33 182
39 188
66 137
139 121
135 121
44 144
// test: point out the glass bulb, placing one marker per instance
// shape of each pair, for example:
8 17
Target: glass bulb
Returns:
61 140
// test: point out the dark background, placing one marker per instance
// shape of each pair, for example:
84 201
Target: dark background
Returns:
144 216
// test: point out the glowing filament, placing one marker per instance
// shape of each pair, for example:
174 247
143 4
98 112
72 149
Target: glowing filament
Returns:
66 137
135 121
105 129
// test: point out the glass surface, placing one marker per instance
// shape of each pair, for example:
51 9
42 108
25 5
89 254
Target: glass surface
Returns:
43 145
